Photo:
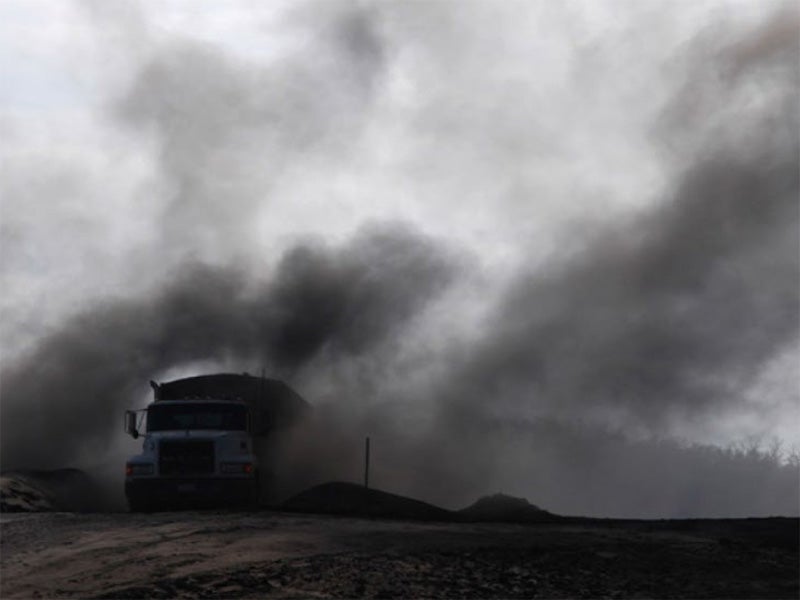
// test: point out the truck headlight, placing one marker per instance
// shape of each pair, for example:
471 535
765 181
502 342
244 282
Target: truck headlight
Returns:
239 468
132 469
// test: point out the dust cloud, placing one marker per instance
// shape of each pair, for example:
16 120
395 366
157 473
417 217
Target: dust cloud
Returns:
63 399
589 357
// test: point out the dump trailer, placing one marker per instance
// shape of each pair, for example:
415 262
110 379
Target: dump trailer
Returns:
206 440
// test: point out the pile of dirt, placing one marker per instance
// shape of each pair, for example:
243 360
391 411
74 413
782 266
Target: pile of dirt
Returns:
33 490
505 509
342 498
19 494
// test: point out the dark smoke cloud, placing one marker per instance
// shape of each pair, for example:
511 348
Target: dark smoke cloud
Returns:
227 129
662 319
569 391
62 402
671 313
674 314
643 327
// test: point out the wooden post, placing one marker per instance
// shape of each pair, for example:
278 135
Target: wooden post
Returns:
366 463
261 426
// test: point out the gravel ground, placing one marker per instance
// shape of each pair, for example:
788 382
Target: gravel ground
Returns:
278 555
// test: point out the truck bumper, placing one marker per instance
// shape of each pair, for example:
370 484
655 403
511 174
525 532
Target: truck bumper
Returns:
152 493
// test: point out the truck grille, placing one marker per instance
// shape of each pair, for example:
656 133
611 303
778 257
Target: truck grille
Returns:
186 457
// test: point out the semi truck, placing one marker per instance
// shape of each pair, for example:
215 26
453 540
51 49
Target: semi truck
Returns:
206 440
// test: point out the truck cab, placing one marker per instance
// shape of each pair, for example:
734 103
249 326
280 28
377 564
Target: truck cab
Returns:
203 450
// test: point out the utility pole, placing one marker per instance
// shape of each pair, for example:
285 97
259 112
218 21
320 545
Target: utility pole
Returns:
366 463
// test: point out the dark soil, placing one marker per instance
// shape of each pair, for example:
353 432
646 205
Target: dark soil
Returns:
339 498
500 508
635 568
396 548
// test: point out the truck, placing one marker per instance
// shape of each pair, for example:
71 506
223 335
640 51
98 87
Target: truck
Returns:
206 440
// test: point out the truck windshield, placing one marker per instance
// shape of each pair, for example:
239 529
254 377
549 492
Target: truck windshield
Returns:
167 417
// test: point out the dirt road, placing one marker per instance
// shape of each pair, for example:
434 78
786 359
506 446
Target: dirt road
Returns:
267 554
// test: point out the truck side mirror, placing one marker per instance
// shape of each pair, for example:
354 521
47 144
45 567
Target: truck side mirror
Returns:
130 424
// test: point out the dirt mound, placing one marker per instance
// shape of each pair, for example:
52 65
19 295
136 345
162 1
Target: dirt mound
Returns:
18 494
507 509
350 499
31 490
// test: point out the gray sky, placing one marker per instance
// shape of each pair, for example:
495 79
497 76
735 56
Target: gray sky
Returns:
606 192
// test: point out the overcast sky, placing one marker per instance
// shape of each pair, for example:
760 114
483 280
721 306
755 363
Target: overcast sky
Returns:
558 162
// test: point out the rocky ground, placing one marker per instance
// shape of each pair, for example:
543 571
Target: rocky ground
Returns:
217 554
